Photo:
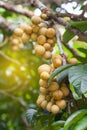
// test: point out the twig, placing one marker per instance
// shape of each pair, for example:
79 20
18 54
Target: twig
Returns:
15 9
9 58
59 42
21 102
25 122
4 42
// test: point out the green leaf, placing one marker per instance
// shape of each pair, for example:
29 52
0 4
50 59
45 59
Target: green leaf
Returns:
58 123
81 124
68 35
74 118
59 70
78 78
61 76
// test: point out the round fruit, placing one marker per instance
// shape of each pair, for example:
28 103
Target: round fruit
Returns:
49 105
50 41
43 68
73 61
47 46
34 37
56 57
42 25
18 32
45 75
39 50
57 63
40 99
50 32
43 90
15 41
44 16
47 55
41 39
43 31
55 109
35 28
25 38
61 104
53 86
43 83
28 29
65 90
58 94
23 26
44 104
36 19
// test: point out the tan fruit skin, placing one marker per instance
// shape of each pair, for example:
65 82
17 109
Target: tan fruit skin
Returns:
47 55
61 104
39 50
41 39
55 109
65 90
44 104
36 20
50 32
43 83
49 105
53 86
43 68
43 90
45 75
73 61
58 95
34 37
42 31
40 100
18 32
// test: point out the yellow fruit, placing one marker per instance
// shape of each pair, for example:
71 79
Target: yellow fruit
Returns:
45 75
65 90
50 41
49 105
47 46
18 32
43 83
28 29
43 31
14 47
42 25
23 26
43 68
57 63
53 86
50 32
20 45
61 104
73 61
15 41
47 55
58 94
55 109
40 99
35 28
41 39
57 56
44 16
44 104
43 90
36 19
39 50
34 37
25 38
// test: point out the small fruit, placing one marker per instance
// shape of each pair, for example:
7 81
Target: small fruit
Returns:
25 38
56 57
55 109
34 37
40 99
73 61
50 32
36 19
58 94
18 32
41 39
42 25
44 16
43 83
39 50
47 55
43 68
44 104
43 90
43 31
28 29
49 105
61 104
15 41
53 86
45 75
50 41
57 63
35 28
64 89
47 46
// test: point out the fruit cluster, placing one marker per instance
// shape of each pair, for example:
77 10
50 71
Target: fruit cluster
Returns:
51 97
38 32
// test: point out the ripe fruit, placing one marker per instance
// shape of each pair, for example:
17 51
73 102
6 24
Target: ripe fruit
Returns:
47 46
41 39
43 31
35 28
54 109
53 86
34 37
49 105
61 104
44 104
57 56
39 50
42 25
43 83
40 99
15 41
47 55
43 68
43 16
65 90
50 32
58 94
18 32
57 63
73 61
36 19
45 75
25 38
28 29
43 90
